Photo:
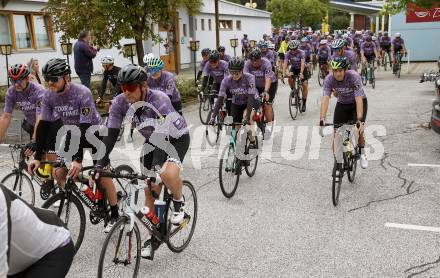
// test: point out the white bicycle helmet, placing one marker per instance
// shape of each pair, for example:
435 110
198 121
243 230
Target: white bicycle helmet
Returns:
323 42
148 57
107 60
397 35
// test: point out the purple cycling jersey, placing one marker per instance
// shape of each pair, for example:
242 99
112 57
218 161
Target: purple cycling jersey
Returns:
73 107
351 55
307 50
29 101
324 53
269 55
202 65
349 41
347 89
385 41
294 59
239 89
226 58
398 43
166 83
157 115
245 43
369 48
261 73
218 73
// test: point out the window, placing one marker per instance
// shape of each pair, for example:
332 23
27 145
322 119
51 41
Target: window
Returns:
5 33
238 25
225 24
209 24
26 31
203 24
184 30
195 24
22 31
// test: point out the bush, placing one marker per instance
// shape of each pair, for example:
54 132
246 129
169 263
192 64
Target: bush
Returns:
187 89
3 90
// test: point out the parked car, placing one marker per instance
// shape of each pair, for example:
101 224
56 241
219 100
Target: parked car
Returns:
435 116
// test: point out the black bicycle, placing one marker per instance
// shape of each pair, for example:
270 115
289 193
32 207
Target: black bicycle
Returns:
212 132
397 67
368 74
121 251
322 73
69 203
386 59
295 98
206 102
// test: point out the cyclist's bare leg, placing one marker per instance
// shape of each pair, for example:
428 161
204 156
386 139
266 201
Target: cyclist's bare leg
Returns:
110 190
291 82
305 89
171 178
268 112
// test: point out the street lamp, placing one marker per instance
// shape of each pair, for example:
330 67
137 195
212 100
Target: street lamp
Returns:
6 50
194 45
234 44
253 43
129 50
66 48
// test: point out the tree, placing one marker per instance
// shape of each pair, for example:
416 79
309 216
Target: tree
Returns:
110 21
303 12
397 6
338 19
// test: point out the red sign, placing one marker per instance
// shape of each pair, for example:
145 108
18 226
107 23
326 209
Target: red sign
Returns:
416 14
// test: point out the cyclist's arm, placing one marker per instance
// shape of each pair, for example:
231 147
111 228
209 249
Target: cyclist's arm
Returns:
359 107
103 85
220 99
115 119
285 66
37 121
4 267
5 120
303 61
324 107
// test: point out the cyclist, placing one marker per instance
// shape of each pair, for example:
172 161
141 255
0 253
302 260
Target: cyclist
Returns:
305 46
265 82
225 57
215 68
339 50
351 104
369 51
166 143
27 96
110 74
324 54
34 242
397 45
296 58
385 45
241 86
161 80
245 45
349 44
205 56
284 47
267 53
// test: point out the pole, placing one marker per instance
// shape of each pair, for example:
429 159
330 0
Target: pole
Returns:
235 54
132 61
7 77
195 70
68 59
217 24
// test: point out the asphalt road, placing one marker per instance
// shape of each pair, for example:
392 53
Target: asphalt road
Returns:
281 222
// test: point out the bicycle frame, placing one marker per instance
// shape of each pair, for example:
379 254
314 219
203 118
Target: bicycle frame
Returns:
345 140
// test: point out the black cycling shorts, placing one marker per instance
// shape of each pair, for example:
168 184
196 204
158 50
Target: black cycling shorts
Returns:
296 72
237 111
26 126
370 58
272 91
174 149
345 113
386 48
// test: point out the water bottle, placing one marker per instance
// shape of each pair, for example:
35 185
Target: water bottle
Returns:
150 215
88 192
159 209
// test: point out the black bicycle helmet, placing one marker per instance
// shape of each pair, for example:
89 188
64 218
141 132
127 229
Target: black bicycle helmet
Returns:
214 56
255 54
221 49
340 62
206 51
132 74
236 64
56 67
18 71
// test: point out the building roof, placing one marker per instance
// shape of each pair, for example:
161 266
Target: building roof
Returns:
367 8
233 9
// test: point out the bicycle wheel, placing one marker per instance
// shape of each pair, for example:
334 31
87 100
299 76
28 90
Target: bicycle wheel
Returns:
180 236
21 185
385 61
320 79
212 133
298 99
293 105
399 68
364 76
204 109
252 167
71 212
121 252
373 79
336 183
228 174
352 167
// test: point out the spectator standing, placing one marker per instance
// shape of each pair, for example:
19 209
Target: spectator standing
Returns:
34 69
83 53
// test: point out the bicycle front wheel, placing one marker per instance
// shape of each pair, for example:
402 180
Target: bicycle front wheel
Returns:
336 183
320 79
21 185
204 109
252 166
352 167
293 105
121 252
228 172
70 210
180 236
212 133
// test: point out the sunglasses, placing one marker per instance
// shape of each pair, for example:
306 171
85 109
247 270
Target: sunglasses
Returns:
235 73
129 87
213 62
53 79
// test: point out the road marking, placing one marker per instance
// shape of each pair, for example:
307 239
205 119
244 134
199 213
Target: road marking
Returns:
413 227
424 165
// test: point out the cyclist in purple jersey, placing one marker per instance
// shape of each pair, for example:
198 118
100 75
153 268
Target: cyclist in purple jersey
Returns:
324 55
385 44
267 53
368 51
339 50
265 81
296 58
216 69
205 55
225 57
397 45
351 104
164 81
166 138
245 45
27 96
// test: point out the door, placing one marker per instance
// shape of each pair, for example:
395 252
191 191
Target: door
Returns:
169 47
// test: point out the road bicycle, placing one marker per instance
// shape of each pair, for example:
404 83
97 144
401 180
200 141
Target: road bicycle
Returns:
368 74
397 67
386 59
322 72
206 102
212 132
295 98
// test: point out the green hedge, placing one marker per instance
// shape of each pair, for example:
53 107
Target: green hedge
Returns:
3 90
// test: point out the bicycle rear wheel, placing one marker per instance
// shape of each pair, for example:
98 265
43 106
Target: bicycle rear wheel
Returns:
293 105
320 79
385 61
336 183
212 133
121 252
71 212
364 76
252 167
373 79
352 167
180 236
229 172
204 109
20 184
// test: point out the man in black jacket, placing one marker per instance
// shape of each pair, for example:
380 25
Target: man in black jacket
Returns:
83 54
